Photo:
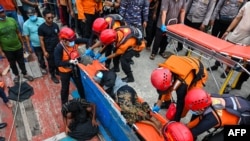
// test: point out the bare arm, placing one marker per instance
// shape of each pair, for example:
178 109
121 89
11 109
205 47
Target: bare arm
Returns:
233 24
33 4
163 17
97 44
20 37
28 43
45 53
182 15
69 2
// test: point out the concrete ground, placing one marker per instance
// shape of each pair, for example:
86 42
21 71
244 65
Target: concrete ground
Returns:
143 67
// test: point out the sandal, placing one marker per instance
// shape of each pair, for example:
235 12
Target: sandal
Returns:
152 56
30 78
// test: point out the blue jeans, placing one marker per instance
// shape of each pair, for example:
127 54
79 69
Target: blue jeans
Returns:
3 95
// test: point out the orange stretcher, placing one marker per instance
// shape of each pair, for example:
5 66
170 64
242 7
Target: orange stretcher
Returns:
145 131
216 48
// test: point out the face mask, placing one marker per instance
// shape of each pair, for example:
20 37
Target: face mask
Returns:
2 19
33 18
71 44
98 77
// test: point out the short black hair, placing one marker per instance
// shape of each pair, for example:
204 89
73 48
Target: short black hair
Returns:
47 11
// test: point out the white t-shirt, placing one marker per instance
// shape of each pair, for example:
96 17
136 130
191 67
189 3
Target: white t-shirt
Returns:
241 33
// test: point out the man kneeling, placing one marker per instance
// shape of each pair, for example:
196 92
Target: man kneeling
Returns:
79 119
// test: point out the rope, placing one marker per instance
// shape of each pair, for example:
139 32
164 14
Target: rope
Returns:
17 105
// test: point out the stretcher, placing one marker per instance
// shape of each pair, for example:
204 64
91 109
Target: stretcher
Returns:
211 47
108 112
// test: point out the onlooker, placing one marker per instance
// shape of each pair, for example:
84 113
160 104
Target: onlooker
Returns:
135 13
30 31
240 28
80 121
111 7
20 8
74 21
154 11
223 15
198 13
171 76
10 8
63 11
215 111
11 44
128 41
88 11
31 4
172 12
3 95
48 35
66 59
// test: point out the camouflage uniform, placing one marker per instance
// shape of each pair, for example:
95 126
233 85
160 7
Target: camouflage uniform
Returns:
134 12
133 112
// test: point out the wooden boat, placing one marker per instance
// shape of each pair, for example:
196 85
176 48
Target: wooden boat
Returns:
39 117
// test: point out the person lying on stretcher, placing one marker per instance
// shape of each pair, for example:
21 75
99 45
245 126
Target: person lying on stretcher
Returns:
126 97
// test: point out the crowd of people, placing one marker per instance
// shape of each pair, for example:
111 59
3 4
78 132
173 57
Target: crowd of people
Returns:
122 29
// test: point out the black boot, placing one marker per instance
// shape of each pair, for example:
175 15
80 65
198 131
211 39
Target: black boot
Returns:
129 78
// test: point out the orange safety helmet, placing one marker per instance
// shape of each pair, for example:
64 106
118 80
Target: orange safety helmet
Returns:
197 99
176 131
108 36
67 34
161 78
99 25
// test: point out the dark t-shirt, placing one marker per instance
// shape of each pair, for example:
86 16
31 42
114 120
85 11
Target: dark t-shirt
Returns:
50 34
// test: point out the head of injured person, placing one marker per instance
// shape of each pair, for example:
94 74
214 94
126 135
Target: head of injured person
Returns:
105 78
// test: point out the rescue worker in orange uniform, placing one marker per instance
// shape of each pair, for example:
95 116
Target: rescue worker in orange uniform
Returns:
128 41
66 59
214 110
176 131
177 73
111 21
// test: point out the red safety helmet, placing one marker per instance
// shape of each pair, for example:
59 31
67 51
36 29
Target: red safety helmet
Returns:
161 78
67 34
197 99
176 131
108 36
99 25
